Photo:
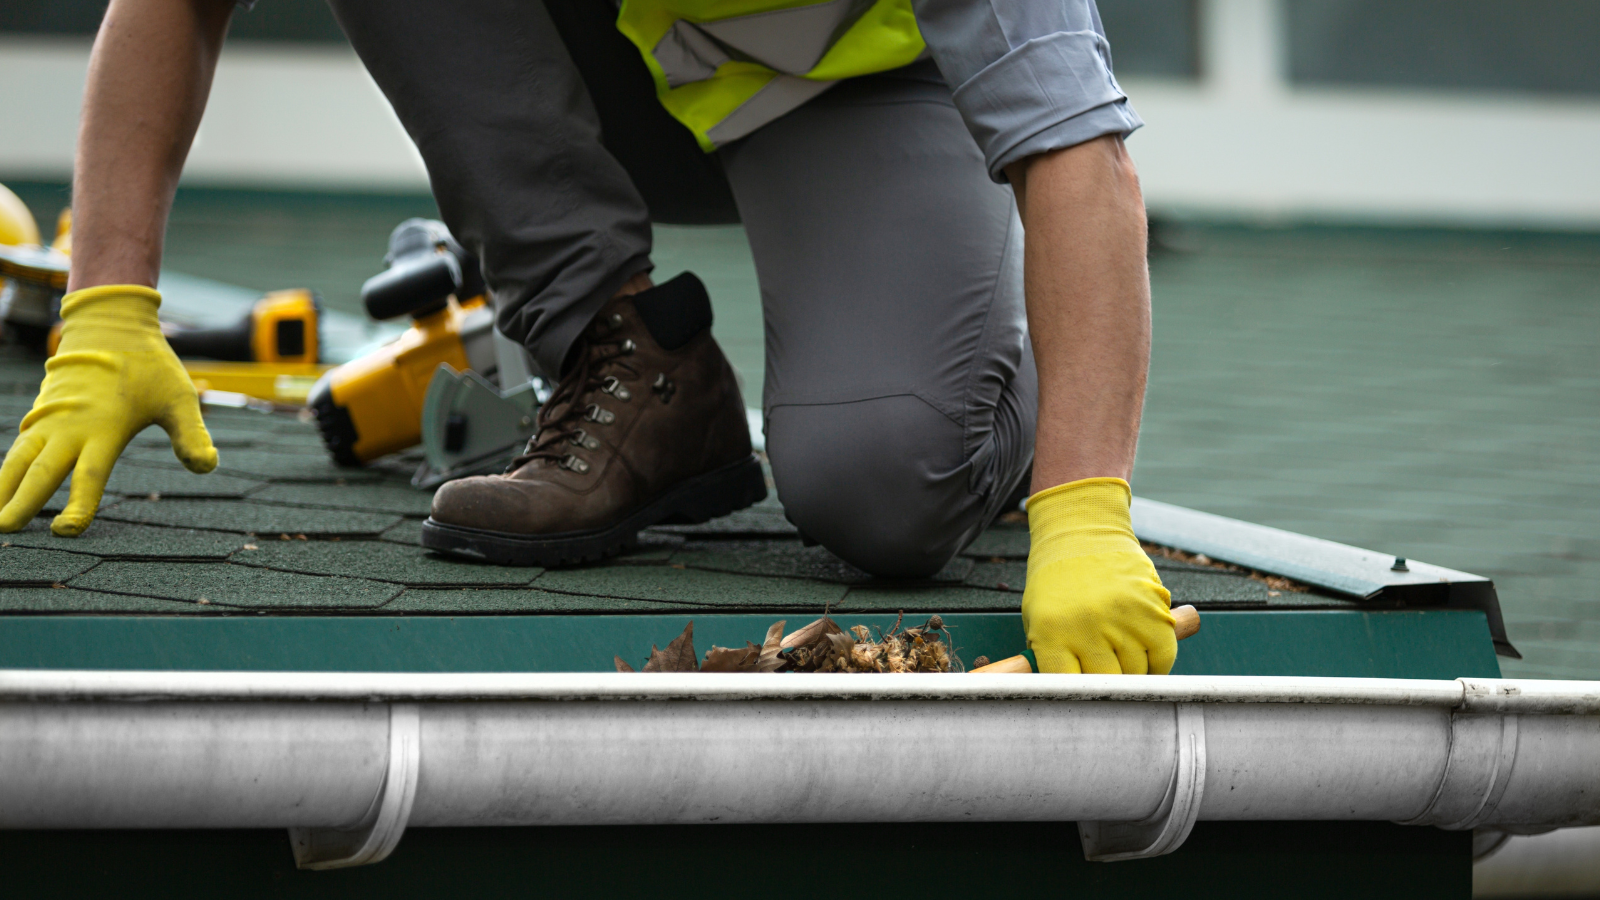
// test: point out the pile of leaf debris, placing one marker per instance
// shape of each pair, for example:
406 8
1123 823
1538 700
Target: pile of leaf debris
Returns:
821 646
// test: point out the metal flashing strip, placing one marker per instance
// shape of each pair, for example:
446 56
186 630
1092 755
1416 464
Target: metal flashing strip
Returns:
1341 568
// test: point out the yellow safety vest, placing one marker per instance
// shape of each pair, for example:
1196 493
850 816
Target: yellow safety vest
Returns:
726 67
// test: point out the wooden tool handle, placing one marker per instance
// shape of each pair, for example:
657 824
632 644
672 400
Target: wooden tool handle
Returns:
1016 665
1185 622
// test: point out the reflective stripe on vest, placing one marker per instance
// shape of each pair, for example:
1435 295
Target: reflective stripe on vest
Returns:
726 67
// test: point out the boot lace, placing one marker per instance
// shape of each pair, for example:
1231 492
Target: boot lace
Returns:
562 420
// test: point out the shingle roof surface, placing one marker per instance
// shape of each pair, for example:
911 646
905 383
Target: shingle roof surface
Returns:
279 529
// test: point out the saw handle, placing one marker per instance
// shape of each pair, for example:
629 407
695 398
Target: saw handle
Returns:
425 267
1185 622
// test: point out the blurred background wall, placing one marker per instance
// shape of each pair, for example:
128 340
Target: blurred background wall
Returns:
1452 112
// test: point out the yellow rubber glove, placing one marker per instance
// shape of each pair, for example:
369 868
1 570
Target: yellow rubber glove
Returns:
1093 602
112 376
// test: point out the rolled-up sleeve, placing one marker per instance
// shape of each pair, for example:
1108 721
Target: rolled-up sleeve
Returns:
1029 76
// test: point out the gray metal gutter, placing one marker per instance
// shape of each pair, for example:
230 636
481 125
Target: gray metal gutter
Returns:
346 761
1340 568
1536 697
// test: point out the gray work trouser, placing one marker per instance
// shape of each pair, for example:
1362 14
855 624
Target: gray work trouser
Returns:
900 388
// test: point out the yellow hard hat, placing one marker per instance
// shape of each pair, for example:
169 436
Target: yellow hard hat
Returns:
16 223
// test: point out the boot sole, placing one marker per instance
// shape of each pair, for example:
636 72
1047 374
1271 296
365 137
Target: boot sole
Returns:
699 499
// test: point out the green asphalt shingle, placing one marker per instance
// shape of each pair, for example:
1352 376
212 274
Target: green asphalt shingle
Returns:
1191 584
762 520
459 601
787 559
243 587
250 517
222 437
1204 589
889 598
12 409
262 463
139 481
400 499
58 500
690 587
654 546
300 448
110 539
16 379
1163 564
1005 541
379 561
408 532
1006 575
45 600
21 566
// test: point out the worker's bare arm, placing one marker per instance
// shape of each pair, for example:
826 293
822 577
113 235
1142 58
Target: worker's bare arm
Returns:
1088 294
113 373
1093 601
148 80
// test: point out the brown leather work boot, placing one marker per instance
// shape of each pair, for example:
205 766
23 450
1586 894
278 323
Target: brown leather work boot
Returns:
647 427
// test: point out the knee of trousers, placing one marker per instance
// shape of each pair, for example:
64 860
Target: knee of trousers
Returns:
881 483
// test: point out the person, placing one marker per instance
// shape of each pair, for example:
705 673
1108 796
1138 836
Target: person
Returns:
924 364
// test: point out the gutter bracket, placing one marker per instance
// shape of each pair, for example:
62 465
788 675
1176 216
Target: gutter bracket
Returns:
1169 827
379 831
1483 750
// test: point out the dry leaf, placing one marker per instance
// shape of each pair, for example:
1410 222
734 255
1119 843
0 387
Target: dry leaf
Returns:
769 661
841 642
727 659
812 633
821 646
621 666
678 657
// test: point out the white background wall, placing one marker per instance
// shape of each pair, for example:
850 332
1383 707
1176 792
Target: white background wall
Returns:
1240 142
1243 142
279 115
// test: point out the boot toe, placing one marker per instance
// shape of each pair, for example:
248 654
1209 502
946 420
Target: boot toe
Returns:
507 505
476 502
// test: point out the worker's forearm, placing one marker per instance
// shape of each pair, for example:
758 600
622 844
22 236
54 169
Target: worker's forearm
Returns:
1088 298
148 80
